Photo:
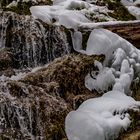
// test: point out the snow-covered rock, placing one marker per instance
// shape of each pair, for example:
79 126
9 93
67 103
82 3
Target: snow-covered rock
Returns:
70 13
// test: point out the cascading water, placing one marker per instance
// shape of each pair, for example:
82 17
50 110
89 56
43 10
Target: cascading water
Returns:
31 41
25 110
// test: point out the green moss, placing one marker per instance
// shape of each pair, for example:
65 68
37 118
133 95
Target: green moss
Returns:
4 3
21 8
120 12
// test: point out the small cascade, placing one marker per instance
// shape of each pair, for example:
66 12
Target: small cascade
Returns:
26 43
16 115
31 41
24 110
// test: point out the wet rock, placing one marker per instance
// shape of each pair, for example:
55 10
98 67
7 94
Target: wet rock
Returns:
5 59
6 63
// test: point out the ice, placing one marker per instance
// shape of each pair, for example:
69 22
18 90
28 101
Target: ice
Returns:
95 118
103 118
102 82
12 4
125 67
70 13
72 19
59 15
102 41
119 55
77 40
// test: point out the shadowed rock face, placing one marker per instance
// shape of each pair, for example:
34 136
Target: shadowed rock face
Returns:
32 42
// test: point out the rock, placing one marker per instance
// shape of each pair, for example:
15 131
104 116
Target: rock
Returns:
5 59
36 105
6 63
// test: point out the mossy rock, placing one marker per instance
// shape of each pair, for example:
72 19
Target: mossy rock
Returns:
69 72
120 12
6 59
21 8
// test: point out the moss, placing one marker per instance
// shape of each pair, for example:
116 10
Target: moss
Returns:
120 12
21 8
135 87
4 3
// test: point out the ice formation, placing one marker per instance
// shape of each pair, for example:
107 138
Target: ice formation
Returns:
103 118
70 13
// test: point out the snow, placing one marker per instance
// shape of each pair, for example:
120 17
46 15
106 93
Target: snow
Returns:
103 118
70 13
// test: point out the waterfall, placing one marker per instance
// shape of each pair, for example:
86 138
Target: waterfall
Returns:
31 41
